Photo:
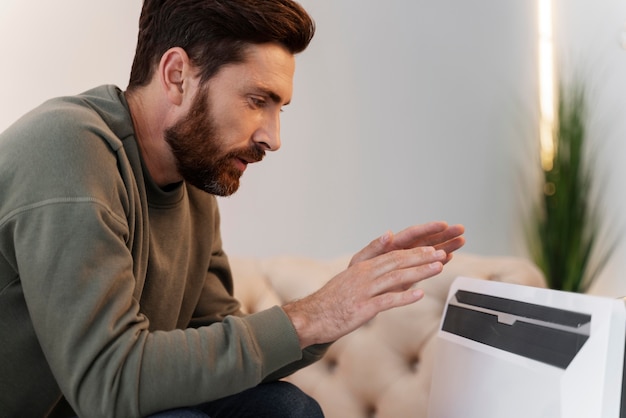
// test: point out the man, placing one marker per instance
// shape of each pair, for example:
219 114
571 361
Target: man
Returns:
115 292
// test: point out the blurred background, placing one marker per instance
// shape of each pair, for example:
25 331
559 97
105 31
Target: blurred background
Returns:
403 112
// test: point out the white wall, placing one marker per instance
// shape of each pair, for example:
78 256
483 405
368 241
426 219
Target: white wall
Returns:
62 47
403 112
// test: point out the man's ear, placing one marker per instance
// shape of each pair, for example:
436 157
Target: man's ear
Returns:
175 73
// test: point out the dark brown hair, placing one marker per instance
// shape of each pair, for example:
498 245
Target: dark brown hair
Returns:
215 32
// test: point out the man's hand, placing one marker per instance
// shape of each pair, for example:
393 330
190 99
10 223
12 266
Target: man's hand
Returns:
380 277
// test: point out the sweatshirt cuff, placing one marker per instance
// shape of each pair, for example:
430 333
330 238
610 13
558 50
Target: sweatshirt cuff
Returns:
276 338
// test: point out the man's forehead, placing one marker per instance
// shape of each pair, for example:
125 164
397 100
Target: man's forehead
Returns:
267 68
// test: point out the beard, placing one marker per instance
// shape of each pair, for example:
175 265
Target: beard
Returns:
198 150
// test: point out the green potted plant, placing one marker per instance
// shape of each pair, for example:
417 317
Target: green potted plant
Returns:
565 227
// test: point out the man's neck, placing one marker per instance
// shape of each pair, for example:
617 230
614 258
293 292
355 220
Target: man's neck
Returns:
149 122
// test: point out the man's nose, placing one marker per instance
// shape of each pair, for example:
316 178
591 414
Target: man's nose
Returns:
268 136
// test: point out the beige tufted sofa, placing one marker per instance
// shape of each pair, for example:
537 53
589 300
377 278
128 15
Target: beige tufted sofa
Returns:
383 369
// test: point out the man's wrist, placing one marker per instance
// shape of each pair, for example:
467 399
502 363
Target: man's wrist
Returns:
300 321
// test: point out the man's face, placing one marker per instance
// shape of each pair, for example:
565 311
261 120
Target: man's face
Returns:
233 120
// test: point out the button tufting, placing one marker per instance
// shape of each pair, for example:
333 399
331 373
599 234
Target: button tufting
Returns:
331 365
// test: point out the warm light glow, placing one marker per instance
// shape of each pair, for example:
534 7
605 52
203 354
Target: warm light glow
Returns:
546 84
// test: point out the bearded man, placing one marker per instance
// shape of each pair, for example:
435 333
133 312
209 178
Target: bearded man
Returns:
116 297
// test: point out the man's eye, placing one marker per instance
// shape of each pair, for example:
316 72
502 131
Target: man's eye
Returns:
257 101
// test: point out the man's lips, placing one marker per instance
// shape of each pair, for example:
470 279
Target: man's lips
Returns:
245 157
242 163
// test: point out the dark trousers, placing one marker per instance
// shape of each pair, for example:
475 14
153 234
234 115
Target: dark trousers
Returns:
275 400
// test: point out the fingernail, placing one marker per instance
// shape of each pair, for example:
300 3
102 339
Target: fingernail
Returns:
385 237
440 254
435 265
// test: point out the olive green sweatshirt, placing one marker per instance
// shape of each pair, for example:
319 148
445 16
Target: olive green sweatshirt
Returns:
116 296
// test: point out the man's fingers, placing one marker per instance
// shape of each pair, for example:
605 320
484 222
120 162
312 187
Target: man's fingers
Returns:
434 239
421 235
452 245
428 234
436 234
392 300
401 268
402 279
380 245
